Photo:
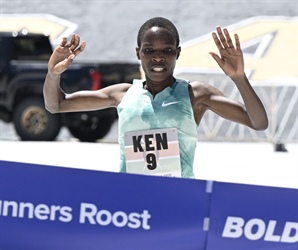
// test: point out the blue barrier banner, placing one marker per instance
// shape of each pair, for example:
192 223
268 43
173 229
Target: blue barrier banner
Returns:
253 217
45 207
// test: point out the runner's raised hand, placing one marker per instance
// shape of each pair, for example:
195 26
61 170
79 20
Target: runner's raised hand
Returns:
64 54
230 58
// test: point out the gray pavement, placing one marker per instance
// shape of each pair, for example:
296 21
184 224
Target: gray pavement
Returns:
8 133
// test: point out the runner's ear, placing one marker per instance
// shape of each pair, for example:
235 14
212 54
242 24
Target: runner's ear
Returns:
138 53
178 52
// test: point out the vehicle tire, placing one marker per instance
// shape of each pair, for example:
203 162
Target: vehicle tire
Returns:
88 127
33 122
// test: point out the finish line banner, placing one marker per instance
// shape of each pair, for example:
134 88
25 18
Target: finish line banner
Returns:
45 207
253 217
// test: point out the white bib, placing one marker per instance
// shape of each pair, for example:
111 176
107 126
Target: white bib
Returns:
153 152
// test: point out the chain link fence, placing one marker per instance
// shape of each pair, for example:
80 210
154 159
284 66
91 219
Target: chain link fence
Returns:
279 99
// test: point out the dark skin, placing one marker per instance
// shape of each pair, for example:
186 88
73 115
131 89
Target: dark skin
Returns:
158 54
158 51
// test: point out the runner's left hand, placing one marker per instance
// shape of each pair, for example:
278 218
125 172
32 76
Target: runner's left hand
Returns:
230 58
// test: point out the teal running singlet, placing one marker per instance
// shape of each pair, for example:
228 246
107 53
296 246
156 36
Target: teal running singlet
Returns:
157 136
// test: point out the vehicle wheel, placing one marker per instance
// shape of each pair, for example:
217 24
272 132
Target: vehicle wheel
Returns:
89 128
34 123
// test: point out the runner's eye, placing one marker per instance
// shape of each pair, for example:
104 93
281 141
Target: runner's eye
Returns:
148 50
168 50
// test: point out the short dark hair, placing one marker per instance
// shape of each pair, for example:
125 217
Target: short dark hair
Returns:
158 22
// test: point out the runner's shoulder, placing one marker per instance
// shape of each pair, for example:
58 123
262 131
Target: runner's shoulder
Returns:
200 88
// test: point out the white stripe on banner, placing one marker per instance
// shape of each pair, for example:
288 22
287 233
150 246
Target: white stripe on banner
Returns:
206 224
209 185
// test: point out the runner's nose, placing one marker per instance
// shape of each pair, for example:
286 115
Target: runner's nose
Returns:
158 57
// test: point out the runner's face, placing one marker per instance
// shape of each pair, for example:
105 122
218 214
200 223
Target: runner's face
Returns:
158 53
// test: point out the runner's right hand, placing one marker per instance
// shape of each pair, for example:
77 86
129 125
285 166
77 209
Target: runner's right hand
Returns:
64 54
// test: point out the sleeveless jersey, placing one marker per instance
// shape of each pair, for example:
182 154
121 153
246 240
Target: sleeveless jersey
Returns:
171 108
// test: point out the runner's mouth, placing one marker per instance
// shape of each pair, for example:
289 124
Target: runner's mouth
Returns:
158 69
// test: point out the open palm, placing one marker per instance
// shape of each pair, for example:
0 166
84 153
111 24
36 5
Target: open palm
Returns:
64 54
230 58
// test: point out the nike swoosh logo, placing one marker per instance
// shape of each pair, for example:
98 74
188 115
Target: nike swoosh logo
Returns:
168 103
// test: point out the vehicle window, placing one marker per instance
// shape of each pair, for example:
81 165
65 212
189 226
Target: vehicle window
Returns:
31 48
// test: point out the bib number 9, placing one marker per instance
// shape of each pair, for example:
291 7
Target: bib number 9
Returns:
151 161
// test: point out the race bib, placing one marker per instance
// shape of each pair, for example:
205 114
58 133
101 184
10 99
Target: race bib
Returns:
153 152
